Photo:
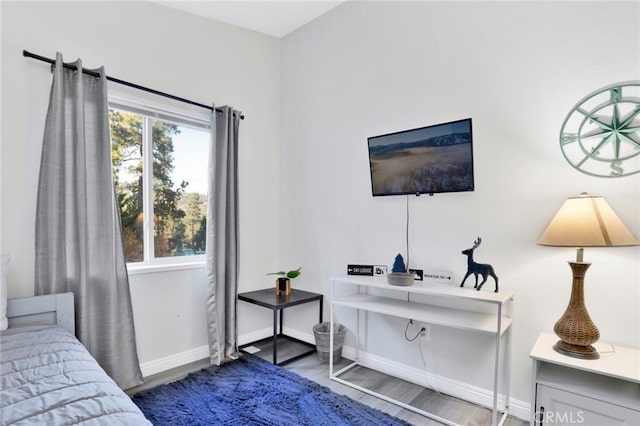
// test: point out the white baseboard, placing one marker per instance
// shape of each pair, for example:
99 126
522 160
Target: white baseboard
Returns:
268 332
297 334
474 394
243 339
159 365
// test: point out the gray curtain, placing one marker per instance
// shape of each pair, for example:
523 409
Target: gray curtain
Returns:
78 231
222 235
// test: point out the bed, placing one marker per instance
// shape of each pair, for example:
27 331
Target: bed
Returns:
48 377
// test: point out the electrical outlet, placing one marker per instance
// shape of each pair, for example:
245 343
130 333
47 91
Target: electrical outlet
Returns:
426 332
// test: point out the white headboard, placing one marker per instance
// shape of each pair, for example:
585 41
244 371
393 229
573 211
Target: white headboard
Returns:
38 310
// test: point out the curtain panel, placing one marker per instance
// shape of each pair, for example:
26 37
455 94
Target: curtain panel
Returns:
222 235
78 230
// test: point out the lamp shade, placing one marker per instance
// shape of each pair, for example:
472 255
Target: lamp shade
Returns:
586 221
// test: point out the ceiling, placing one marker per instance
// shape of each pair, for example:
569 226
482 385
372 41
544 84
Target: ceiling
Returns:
275 18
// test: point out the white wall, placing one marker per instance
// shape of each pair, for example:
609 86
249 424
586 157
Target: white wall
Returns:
516 68
311 100
175 52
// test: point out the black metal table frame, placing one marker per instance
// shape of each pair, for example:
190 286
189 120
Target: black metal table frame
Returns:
278 333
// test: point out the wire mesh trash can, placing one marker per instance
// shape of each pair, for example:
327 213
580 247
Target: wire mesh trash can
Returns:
322 334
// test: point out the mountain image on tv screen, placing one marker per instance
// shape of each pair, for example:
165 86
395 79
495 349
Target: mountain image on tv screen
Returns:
427 160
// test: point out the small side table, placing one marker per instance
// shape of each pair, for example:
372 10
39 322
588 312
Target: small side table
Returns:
604 391
267 298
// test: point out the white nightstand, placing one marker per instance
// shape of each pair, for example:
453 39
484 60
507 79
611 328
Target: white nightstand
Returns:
570 391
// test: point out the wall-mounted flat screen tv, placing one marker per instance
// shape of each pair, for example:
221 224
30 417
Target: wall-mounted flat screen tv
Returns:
427 160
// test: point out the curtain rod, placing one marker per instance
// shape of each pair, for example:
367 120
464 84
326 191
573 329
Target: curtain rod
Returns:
28 54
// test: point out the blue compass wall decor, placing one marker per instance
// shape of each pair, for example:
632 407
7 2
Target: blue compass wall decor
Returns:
601 134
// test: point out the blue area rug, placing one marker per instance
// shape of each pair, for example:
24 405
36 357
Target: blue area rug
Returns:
251 391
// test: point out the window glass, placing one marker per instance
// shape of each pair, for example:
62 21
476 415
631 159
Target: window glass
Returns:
127 158
179 189
173 191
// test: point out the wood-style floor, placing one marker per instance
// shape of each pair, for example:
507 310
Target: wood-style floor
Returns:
445 406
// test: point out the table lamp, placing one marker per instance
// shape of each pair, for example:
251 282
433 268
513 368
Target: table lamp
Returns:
584 221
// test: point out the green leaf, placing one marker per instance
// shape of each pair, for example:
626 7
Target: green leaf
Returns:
293 274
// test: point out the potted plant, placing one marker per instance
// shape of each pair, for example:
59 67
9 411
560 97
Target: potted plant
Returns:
283 284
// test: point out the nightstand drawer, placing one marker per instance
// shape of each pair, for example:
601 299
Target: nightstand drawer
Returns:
560 407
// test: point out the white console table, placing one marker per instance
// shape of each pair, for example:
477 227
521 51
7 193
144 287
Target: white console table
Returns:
496 323
591 392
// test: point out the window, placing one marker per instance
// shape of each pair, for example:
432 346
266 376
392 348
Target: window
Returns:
160 172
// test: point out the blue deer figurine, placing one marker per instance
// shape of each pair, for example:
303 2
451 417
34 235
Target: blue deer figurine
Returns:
476 269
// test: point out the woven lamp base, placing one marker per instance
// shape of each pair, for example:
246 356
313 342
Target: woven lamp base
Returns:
576 351
575 329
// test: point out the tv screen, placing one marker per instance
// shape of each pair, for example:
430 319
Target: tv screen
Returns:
427 160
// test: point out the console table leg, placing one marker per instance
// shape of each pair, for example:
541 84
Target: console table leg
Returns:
275 336
496 368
